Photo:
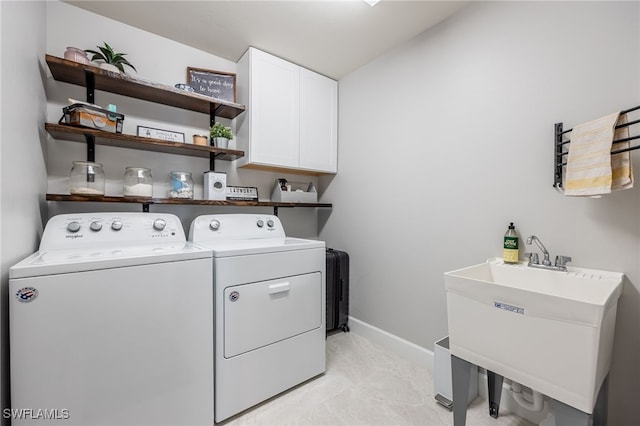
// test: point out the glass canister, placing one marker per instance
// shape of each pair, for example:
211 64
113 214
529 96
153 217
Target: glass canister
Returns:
181 185
86 178
137 182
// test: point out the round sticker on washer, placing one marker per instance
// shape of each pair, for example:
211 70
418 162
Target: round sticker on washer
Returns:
26 294
234 295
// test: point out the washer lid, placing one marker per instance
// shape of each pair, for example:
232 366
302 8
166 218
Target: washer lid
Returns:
50 262
226 248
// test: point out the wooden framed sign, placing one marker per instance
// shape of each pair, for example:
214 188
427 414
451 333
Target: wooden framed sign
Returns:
166 135
217 84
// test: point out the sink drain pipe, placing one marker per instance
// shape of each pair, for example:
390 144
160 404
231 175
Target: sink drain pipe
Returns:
535 405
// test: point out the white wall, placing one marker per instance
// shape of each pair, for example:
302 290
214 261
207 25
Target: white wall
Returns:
159 60
22 149
446 139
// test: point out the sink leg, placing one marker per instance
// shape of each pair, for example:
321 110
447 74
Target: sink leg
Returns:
460 378
569 416
600 411
495 392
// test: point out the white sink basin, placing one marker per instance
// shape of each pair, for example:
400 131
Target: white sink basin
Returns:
549 330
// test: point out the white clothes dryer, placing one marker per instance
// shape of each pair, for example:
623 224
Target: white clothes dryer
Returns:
269 293
111 324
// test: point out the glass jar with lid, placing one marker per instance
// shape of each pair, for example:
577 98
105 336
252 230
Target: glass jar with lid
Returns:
86 178
137 182
180 185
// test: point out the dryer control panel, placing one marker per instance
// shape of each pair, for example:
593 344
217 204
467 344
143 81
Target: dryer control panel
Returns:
79 230
235 227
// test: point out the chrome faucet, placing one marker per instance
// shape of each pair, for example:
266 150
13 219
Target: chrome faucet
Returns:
561 261
545 253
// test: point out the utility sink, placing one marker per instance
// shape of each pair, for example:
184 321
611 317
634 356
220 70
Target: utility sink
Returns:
549 330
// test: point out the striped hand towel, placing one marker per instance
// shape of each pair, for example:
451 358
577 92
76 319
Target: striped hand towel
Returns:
591 169
621 170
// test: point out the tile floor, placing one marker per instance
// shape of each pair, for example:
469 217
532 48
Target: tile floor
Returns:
365 384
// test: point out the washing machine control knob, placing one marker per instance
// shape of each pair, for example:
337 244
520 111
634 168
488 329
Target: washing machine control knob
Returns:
270 223
116 225
73 226
95 226
260 223
214 225
159 224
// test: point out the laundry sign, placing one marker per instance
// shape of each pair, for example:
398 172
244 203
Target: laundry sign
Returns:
217 84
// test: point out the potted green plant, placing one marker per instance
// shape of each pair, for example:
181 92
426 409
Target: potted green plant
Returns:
108 56
220 135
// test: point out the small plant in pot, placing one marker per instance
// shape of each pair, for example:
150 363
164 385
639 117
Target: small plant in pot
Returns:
108 56
220 135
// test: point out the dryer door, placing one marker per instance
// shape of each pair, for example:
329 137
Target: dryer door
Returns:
265 312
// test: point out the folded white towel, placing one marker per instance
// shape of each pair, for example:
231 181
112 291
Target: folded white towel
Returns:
591 169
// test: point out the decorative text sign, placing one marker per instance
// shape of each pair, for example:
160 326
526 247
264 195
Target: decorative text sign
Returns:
217 84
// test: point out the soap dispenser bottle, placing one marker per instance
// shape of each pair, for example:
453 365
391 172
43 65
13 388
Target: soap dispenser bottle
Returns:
510 252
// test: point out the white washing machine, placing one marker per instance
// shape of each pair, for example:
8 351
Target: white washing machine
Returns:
269 293
111 324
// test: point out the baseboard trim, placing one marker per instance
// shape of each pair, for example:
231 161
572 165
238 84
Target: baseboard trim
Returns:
421 356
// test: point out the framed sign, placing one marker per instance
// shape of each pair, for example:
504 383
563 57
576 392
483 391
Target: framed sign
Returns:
217 84
242 193
166 135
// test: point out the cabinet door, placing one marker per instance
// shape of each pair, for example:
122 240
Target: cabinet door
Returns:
318 122
275 99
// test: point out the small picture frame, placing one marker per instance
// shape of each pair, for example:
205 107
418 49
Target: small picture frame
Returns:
217 84
242 193
165 135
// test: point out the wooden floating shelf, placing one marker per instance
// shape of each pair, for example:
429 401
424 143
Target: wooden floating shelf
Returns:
134 87
96 78
77 134
181 201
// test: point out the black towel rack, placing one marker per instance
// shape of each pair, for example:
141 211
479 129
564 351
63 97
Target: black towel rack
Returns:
561 148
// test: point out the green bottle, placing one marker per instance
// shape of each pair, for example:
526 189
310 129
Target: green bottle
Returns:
510 252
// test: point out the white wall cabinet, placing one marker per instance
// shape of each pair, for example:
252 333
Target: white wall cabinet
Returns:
291 121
